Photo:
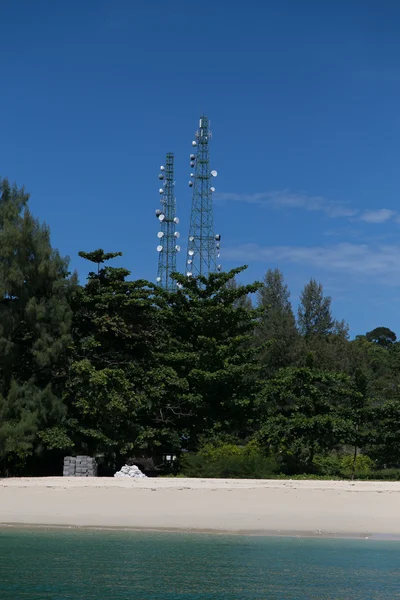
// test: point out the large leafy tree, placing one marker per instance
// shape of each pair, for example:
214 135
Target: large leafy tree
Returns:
35 324
383 336
114 381
302 414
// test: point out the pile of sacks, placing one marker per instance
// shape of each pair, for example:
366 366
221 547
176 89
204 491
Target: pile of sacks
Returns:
132 471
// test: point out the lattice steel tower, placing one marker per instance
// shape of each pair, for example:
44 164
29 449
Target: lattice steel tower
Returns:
167 236
203 245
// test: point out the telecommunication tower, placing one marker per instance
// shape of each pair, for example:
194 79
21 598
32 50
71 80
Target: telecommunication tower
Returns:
203 245
168 237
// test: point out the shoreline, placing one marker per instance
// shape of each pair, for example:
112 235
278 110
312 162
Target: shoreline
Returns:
214 532
278 508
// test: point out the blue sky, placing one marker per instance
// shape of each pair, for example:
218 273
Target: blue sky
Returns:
304 102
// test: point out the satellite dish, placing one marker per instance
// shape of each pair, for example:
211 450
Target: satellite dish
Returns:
192 157
158 279
191 239
218 237
160 234
158 212
178 248
219 267
218 246
191 252
161 191
194 143
161 217
177 234
162 168
179 285
189 262
192 164
159 248
189 273
176 220
212 189
191 174
161 176
214 173
190 183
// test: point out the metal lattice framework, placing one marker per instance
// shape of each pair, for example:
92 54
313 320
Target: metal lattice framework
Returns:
203 244
167 236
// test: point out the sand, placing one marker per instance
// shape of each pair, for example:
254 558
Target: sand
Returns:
359 509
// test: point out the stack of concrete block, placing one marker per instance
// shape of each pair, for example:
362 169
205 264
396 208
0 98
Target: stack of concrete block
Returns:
80 466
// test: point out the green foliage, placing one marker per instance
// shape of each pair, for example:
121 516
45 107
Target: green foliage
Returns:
123 368
336 465
382 336
361 468
110 388
229 460
208 345
275 334
35 329
300 414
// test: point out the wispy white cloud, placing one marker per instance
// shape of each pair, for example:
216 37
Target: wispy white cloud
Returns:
379 262
380 215
286 199
332 208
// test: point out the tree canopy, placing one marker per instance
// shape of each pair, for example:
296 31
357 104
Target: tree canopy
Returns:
216 371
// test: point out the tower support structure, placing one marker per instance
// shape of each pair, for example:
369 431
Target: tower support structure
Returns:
203 245
168 236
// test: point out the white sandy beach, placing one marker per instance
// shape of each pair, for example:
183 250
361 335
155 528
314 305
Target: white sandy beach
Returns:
366 509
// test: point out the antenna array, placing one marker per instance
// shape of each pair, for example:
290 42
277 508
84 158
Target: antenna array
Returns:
203 245
168 237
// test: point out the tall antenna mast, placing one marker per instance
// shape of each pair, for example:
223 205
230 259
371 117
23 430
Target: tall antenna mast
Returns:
203 245
168 246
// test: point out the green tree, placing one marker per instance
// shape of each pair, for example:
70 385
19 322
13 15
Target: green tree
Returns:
242 301
357 414
35 324
115 388
209 334
314 312
276 328
383 336
324 339
299 412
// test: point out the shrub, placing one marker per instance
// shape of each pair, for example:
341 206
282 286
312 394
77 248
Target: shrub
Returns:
363 466
334 465
229 461
329 465
386 474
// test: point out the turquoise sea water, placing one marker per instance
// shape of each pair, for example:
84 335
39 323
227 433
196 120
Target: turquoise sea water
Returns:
97 565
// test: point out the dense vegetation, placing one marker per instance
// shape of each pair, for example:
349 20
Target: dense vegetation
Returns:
223 376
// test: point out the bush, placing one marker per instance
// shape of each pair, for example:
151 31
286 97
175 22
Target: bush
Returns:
363 466
229 461
329 466
342 466
386 474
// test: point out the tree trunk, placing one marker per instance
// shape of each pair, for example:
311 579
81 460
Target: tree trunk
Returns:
353 470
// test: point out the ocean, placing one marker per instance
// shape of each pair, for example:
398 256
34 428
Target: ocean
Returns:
69 564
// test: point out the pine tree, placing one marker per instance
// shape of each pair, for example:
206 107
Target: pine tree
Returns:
35 322
314 313
276 327
209 333
116 383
